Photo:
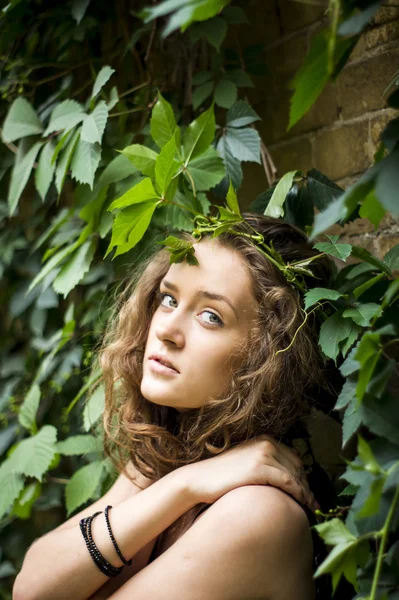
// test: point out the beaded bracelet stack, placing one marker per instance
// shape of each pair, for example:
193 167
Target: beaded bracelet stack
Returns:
98 559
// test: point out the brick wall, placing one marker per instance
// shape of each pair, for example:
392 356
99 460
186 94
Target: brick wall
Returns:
340 134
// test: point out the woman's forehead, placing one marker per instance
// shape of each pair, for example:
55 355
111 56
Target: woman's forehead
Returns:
220 270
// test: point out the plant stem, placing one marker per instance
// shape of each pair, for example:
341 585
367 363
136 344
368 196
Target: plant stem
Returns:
381 551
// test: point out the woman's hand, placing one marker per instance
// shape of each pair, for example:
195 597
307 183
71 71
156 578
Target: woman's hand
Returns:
260 461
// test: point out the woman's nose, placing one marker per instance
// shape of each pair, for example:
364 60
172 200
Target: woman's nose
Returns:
170 330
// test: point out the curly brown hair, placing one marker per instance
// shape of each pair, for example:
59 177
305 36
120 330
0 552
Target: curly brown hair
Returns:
267 393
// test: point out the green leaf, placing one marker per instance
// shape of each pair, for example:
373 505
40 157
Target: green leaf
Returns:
357 292
313 75
85 161
65 161
201 93
241 114
358 21
21 121
65 116
163 123
165 166
275 205
363 313
232 201
142 157
206 170
321 189
232 165
94 408
11 485
75 269
371 209
78 9
213 30
244 144
334 532
316 294
351 422
118 169
364 255
225 94
391 258
141 192
341 251
83 484
20 175
199 135
129 227
78 445
332 332
101 79
28 410
32 457
94 124
52 263
45 170
367 457
386 188
235 15
347 395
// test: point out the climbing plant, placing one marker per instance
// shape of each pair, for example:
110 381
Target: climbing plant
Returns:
120 124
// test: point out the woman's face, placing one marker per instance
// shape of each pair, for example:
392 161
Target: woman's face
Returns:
205 313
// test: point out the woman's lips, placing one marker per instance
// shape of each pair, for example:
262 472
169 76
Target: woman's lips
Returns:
157 367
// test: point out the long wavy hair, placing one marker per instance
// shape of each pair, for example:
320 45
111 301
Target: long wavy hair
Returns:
269 391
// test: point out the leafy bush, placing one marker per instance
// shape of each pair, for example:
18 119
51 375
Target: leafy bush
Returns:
102 165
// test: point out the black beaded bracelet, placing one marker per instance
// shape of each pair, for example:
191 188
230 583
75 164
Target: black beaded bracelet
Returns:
101 563
117 550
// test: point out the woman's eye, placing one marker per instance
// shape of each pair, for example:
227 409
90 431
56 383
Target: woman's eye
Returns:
165 299
213 318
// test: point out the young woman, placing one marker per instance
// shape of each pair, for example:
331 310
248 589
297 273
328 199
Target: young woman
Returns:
200 372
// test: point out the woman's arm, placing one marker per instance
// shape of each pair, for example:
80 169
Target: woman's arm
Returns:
59 566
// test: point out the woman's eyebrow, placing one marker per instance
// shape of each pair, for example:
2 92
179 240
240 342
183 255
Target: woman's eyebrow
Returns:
204 294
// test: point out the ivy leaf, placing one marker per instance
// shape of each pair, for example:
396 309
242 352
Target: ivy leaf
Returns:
101 79
78 9
83 484
241 114
33 456
332 332
94 408
21 121
367 457
163 123
213 30
28 410
142 192
20 175
52 263
322 190
388 182
129 227
118 169
65 116
275 205
180 250
341 251
201 93
363 313
75 269
11 485
347 395
199 135
232 165
45 170
232 201
85 162
371 209
142 157
206 170
391 258
244 144
225 93
316 294
65 161
165 166
94 124
78 445
363 254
